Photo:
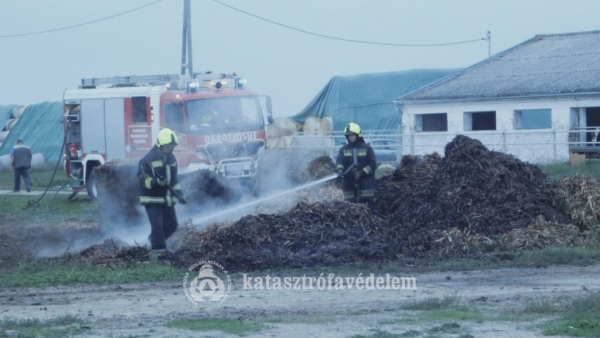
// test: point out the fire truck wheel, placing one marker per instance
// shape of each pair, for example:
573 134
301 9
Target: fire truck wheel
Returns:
92 185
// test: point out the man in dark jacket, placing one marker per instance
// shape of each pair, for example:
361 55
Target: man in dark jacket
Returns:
20 162
157 171
359 184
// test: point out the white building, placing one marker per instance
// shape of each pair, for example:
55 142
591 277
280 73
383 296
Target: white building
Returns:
539 101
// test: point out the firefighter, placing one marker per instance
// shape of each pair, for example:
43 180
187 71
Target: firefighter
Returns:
157 172
359 183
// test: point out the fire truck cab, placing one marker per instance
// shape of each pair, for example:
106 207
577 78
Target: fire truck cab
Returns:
220 124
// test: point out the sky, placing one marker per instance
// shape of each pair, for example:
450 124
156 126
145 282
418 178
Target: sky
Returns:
289 65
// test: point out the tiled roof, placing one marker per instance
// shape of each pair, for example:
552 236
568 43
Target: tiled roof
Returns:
546 65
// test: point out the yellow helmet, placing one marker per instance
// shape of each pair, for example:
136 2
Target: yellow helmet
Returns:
353 128
166 137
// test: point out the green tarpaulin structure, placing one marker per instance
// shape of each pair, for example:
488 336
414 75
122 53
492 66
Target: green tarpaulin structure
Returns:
367 99
41 128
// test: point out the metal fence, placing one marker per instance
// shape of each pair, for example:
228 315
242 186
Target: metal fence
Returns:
537 146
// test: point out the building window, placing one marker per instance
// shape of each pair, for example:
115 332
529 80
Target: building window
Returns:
431 122
480 120
533 119
140 111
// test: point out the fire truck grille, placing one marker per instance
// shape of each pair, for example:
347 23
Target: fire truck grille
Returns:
219 151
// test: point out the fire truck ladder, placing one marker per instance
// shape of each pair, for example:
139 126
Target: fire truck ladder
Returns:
133 80
152 79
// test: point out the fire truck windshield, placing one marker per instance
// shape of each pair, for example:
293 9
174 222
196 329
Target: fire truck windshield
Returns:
224 114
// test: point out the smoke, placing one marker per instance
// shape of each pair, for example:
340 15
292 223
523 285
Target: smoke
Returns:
281 174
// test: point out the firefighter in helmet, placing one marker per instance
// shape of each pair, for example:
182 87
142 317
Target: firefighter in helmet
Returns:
157 173
359 182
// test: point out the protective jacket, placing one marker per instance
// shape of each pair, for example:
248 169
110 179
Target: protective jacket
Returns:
363 155
155 171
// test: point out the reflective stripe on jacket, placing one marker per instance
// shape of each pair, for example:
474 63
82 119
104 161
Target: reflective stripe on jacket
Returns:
150 169
365 161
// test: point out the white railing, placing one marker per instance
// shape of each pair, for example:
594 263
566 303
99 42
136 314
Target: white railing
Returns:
536 146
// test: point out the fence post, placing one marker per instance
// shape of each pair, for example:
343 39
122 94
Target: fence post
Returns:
554 143
399 143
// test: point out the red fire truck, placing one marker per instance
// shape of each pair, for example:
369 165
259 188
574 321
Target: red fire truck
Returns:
220 124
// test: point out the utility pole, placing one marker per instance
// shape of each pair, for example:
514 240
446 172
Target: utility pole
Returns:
186 45
489 39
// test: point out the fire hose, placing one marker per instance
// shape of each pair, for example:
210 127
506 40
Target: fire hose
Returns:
171 189
357 187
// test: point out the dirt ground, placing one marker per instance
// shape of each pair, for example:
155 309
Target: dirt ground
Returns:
141 310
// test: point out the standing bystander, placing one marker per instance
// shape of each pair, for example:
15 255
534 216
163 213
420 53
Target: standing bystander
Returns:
20 162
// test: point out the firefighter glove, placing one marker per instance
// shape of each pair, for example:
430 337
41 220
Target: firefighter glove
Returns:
358 174
160 181
340 172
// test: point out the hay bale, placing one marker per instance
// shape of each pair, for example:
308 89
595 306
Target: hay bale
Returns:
279 169
38 162
316 126
5 161
280 133
10 123
3 135
18 111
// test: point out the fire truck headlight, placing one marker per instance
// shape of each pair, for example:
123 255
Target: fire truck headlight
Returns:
201 155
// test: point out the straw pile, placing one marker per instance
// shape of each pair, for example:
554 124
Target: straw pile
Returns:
472 200
582 197
469 198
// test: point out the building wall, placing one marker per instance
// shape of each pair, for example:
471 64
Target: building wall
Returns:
532 145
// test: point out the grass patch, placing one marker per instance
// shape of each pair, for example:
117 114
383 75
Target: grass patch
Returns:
39 179
558 256
312 319
573 328
450 328
578 318
518 317
69 271
62 326
434 303
455 314
535 258
50 205
557 171
385 334
525 259
541 306
231 326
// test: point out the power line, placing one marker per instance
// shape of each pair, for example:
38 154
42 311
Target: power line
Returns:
80 24
349 40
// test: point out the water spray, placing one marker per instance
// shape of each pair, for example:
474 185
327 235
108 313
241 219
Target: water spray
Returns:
203 219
